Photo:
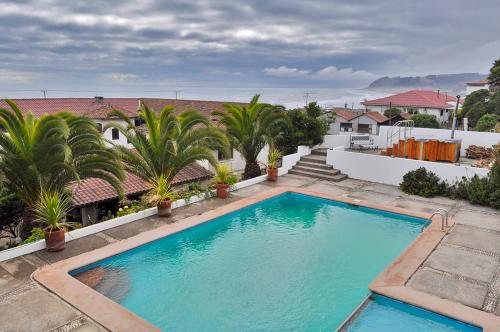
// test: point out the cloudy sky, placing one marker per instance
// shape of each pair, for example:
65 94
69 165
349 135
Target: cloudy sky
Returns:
137 46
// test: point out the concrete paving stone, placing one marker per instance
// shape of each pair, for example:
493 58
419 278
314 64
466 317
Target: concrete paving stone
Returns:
474 237
131 229
462 291
250 191
290 180
353 184
5 277
18 267
73 248
34 310
384 189
464 205
328 188
464 263
81 324
374 197
411 203
478 219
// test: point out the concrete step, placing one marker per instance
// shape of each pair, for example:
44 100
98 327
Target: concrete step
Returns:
314 159
330 172
313 165
319 152
335 178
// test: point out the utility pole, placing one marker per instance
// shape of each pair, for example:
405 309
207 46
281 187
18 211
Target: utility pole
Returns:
177 93
44 94
453 125
307 94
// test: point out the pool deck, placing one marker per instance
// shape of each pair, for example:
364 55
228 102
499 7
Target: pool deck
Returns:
464 268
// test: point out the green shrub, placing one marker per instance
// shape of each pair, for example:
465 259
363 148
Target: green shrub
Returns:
391 112
425 121
423 183
487 122
36 234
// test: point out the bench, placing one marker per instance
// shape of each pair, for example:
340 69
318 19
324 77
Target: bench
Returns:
362 142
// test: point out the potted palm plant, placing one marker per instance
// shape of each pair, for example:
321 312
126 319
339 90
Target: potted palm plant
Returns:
224 178
161 194
272 160
51 209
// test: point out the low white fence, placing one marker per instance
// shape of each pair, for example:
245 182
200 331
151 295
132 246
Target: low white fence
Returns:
387 170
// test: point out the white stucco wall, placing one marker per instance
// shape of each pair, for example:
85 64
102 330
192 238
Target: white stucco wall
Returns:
470 89
432 111
107 134
387 170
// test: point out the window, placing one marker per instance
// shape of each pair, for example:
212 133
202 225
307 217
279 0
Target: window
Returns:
441 113
345 126
115 134
220 155
364 128
139 121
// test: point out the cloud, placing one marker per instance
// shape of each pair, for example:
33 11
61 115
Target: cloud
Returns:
14 76
333 73
323 41
119 77
327 73
284 71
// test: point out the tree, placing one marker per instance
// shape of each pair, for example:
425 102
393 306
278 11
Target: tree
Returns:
494 76
487 122
249 129
425 121
50 152
314 110
475 106
300 129
171 143
391 112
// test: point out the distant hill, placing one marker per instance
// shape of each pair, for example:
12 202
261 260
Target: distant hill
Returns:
452 82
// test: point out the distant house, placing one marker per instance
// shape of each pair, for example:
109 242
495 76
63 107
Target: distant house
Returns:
472 86
430 102
400 117
356 121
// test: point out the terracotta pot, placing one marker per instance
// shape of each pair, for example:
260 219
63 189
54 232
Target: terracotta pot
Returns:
54 240
222 190
272 174
164 208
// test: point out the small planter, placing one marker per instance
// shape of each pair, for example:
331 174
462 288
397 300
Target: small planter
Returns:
54 240
222 190
164 208
272 174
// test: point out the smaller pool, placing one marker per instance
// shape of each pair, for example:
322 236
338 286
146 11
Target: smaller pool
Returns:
381 313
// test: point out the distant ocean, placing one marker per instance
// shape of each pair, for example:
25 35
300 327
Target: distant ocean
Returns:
289 97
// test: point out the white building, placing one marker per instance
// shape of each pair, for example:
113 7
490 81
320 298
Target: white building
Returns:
359 121
430 102
472 86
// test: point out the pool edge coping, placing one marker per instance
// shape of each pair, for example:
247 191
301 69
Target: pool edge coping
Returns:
391 282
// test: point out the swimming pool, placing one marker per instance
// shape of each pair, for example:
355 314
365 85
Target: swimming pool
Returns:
291 262
385 314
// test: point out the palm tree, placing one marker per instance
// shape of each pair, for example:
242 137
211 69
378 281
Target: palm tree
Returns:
170 143
50 152
249 129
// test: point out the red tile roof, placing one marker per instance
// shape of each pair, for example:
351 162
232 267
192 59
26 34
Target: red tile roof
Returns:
94 190
99 108
376 116
346 114
91 107
415 98
478 82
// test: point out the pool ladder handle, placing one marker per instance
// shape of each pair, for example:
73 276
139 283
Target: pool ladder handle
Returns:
444 218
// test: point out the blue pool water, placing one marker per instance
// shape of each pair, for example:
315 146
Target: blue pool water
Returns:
385 314
292 262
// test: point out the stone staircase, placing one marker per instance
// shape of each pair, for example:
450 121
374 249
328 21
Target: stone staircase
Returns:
315 166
